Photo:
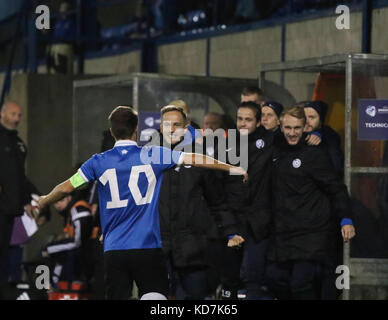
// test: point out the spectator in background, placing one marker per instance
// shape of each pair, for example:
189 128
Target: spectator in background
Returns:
212 121
15 188
270 113
254 94
315 117
246 11
224 11
163 14
18 240
60 54
315 112
67 251
90 27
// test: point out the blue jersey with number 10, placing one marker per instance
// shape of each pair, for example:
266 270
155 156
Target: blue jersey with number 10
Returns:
128 190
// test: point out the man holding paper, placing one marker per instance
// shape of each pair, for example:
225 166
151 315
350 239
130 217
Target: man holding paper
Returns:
15 188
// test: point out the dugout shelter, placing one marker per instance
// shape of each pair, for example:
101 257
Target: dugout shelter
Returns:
356 88
94 99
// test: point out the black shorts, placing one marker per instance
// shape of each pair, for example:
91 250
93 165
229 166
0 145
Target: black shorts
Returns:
147 267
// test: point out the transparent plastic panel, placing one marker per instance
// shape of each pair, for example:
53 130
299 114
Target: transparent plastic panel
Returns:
369 201
95 99
369 81
92 106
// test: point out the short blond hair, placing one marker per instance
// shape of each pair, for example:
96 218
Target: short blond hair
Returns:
170 108
181 104
294 111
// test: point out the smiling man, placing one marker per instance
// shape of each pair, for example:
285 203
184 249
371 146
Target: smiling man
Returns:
309 204
248 203
192 210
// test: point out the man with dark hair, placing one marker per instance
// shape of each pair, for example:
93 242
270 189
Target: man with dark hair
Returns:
316 112
254 94
308 200
247 202
212 121
129 180
315 118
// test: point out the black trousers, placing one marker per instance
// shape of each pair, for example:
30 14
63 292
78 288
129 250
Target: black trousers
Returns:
6 225
189 283
253 268
293 280
147 267
231 272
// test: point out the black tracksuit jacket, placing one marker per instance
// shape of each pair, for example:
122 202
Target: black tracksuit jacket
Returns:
192 210
15 188
250 202
309 200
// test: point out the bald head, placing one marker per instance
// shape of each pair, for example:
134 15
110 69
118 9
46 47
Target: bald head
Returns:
212 121
11 114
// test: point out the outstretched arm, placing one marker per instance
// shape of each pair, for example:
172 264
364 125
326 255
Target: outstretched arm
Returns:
58 193
203 161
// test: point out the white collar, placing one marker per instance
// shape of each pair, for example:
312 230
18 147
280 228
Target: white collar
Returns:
125 143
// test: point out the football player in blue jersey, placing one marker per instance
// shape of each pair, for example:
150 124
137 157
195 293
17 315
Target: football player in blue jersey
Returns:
129 180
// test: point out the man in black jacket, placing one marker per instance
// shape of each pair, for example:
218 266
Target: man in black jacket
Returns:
249 204
308 201
15 188
191 209
315 117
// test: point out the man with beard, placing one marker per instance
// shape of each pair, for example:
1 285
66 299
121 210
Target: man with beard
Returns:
308 201
315 117
315 112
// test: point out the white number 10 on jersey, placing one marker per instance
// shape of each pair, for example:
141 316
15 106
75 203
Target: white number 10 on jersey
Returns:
111 177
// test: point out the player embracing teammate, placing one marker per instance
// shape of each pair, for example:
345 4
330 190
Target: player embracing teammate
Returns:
129 180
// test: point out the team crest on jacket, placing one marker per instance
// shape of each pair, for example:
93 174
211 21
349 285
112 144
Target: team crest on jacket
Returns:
260 144
21 147
296 163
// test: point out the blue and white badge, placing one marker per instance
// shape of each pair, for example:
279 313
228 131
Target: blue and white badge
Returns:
260 144
296 163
